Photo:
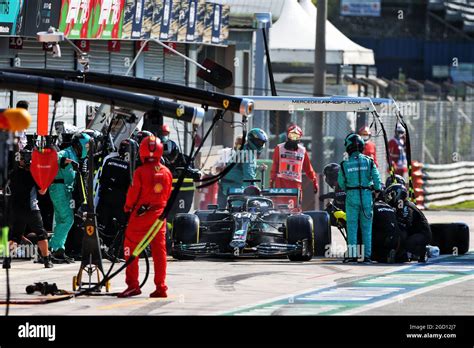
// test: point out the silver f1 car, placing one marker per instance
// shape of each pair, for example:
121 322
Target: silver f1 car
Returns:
265 223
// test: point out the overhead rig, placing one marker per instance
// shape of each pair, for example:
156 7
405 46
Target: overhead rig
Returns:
58 88
206 99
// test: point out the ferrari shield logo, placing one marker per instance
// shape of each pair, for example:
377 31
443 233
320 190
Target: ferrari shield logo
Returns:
90 230
180 111
225 102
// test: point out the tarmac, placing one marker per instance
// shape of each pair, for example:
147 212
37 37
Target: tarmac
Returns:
323 286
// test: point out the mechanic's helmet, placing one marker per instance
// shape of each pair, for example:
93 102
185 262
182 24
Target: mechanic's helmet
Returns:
139 136
353 143
365 133
80 142
165 133
294 133
400 130
395 193
151 149
171 151
398 180
128 146
331 171
256 138
96 135
252 191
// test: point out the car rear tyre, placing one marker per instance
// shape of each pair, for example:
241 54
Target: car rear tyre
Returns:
322 231
185 231
300 228
451 238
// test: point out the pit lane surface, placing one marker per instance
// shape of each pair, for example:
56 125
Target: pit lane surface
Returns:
273 287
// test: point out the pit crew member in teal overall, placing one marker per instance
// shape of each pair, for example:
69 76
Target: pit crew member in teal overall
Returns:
60 192
246 162
358 177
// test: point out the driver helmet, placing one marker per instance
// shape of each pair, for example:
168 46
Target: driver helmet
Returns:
252 191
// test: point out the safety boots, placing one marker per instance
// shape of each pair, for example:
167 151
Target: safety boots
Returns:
47 261
59 256
128 292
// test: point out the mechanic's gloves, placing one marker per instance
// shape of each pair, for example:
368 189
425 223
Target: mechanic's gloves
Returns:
377 194
74 165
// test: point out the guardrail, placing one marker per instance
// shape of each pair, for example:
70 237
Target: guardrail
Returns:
447 184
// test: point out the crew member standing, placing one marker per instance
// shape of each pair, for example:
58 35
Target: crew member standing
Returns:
226 157
397 150
290 159
24 207
146 199
61 190
357 176
114 182
245 159
369 149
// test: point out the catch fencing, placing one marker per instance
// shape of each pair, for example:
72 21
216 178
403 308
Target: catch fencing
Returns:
447 184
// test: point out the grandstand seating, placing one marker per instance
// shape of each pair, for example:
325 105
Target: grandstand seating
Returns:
461 11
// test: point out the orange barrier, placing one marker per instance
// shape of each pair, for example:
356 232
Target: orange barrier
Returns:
417 176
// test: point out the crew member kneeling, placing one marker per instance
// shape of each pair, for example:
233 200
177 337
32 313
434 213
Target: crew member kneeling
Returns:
414 227
146 199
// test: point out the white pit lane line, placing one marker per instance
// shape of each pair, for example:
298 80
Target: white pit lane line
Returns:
321 287
406 296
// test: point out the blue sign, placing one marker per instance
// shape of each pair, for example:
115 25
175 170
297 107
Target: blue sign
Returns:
137 21
192 20
360 8
166 19
216 24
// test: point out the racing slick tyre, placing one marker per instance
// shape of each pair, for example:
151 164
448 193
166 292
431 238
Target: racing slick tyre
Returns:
322 231
185 231
299 228
451 238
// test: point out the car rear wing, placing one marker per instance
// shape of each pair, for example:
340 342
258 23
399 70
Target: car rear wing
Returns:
291 192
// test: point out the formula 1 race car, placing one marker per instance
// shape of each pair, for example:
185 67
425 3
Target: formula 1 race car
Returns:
265 223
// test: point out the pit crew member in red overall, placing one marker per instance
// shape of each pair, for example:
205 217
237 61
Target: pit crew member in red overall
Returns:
290 159
397 149
146 199
369 149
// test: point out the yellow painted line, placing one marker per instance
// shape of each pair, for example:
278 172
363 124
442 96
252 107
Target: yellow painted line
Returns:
132 303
